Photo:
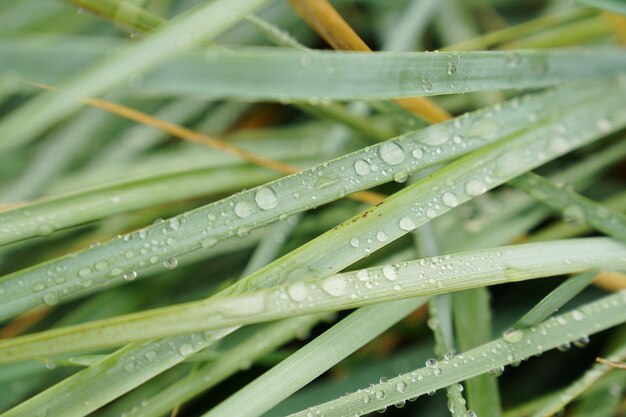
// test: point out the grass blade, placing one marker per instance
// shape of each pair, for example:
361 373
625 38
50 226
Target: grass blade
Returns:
591 318
555 300
390 282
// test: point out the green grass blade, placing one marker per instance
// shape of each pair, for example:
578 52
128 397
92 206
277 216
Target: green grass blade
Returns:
580 385
555 300
573 205
342 291
110 371
616 6
206 226
339 341
207 22
591 318
321 76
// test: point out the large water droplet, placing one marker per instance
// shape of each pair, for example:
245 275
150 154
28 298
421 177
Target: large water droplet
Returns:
266 198
391 153
390 272
50 299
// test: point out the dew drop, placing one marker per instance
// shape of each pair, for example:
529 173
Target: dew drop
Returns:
367 399
266 198
451 68
401 386
335 286
381 236
170 263
298 292
361 167
50 299
513 335
432 363
417 153
380 394
406 223
391 153
581 342
475 188
243 209
130 276
390 272
362 275
449 199
185 349
355 242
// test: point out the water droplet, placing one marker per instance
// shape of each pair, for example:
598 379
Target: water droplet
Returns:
391 153
83 272
604 125
578 315
451 68
437 371
130 276
381 236
390 272
266 198
497 372
581 342
400 177
401 386
512 335
363 275
335 285
475 188
185 349
298 292
449 199
362 167
406 223
129 367
427 85
355 242
170 263
50 299
367 399
380 394
243 209
432 363
417 153
513 59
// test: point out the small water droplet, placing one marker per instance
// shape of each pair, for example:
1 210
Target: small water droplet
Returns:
432 363
417 153
401 386
355 242
335 285
381 236
475 188
361 167
130 276
512 335
185 349
390 272
449 199
50 299
380 394
451 68
170 263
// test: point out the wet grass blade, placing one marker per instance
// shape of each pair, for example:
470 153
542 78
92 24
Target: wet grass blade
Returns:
555 300
590 318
